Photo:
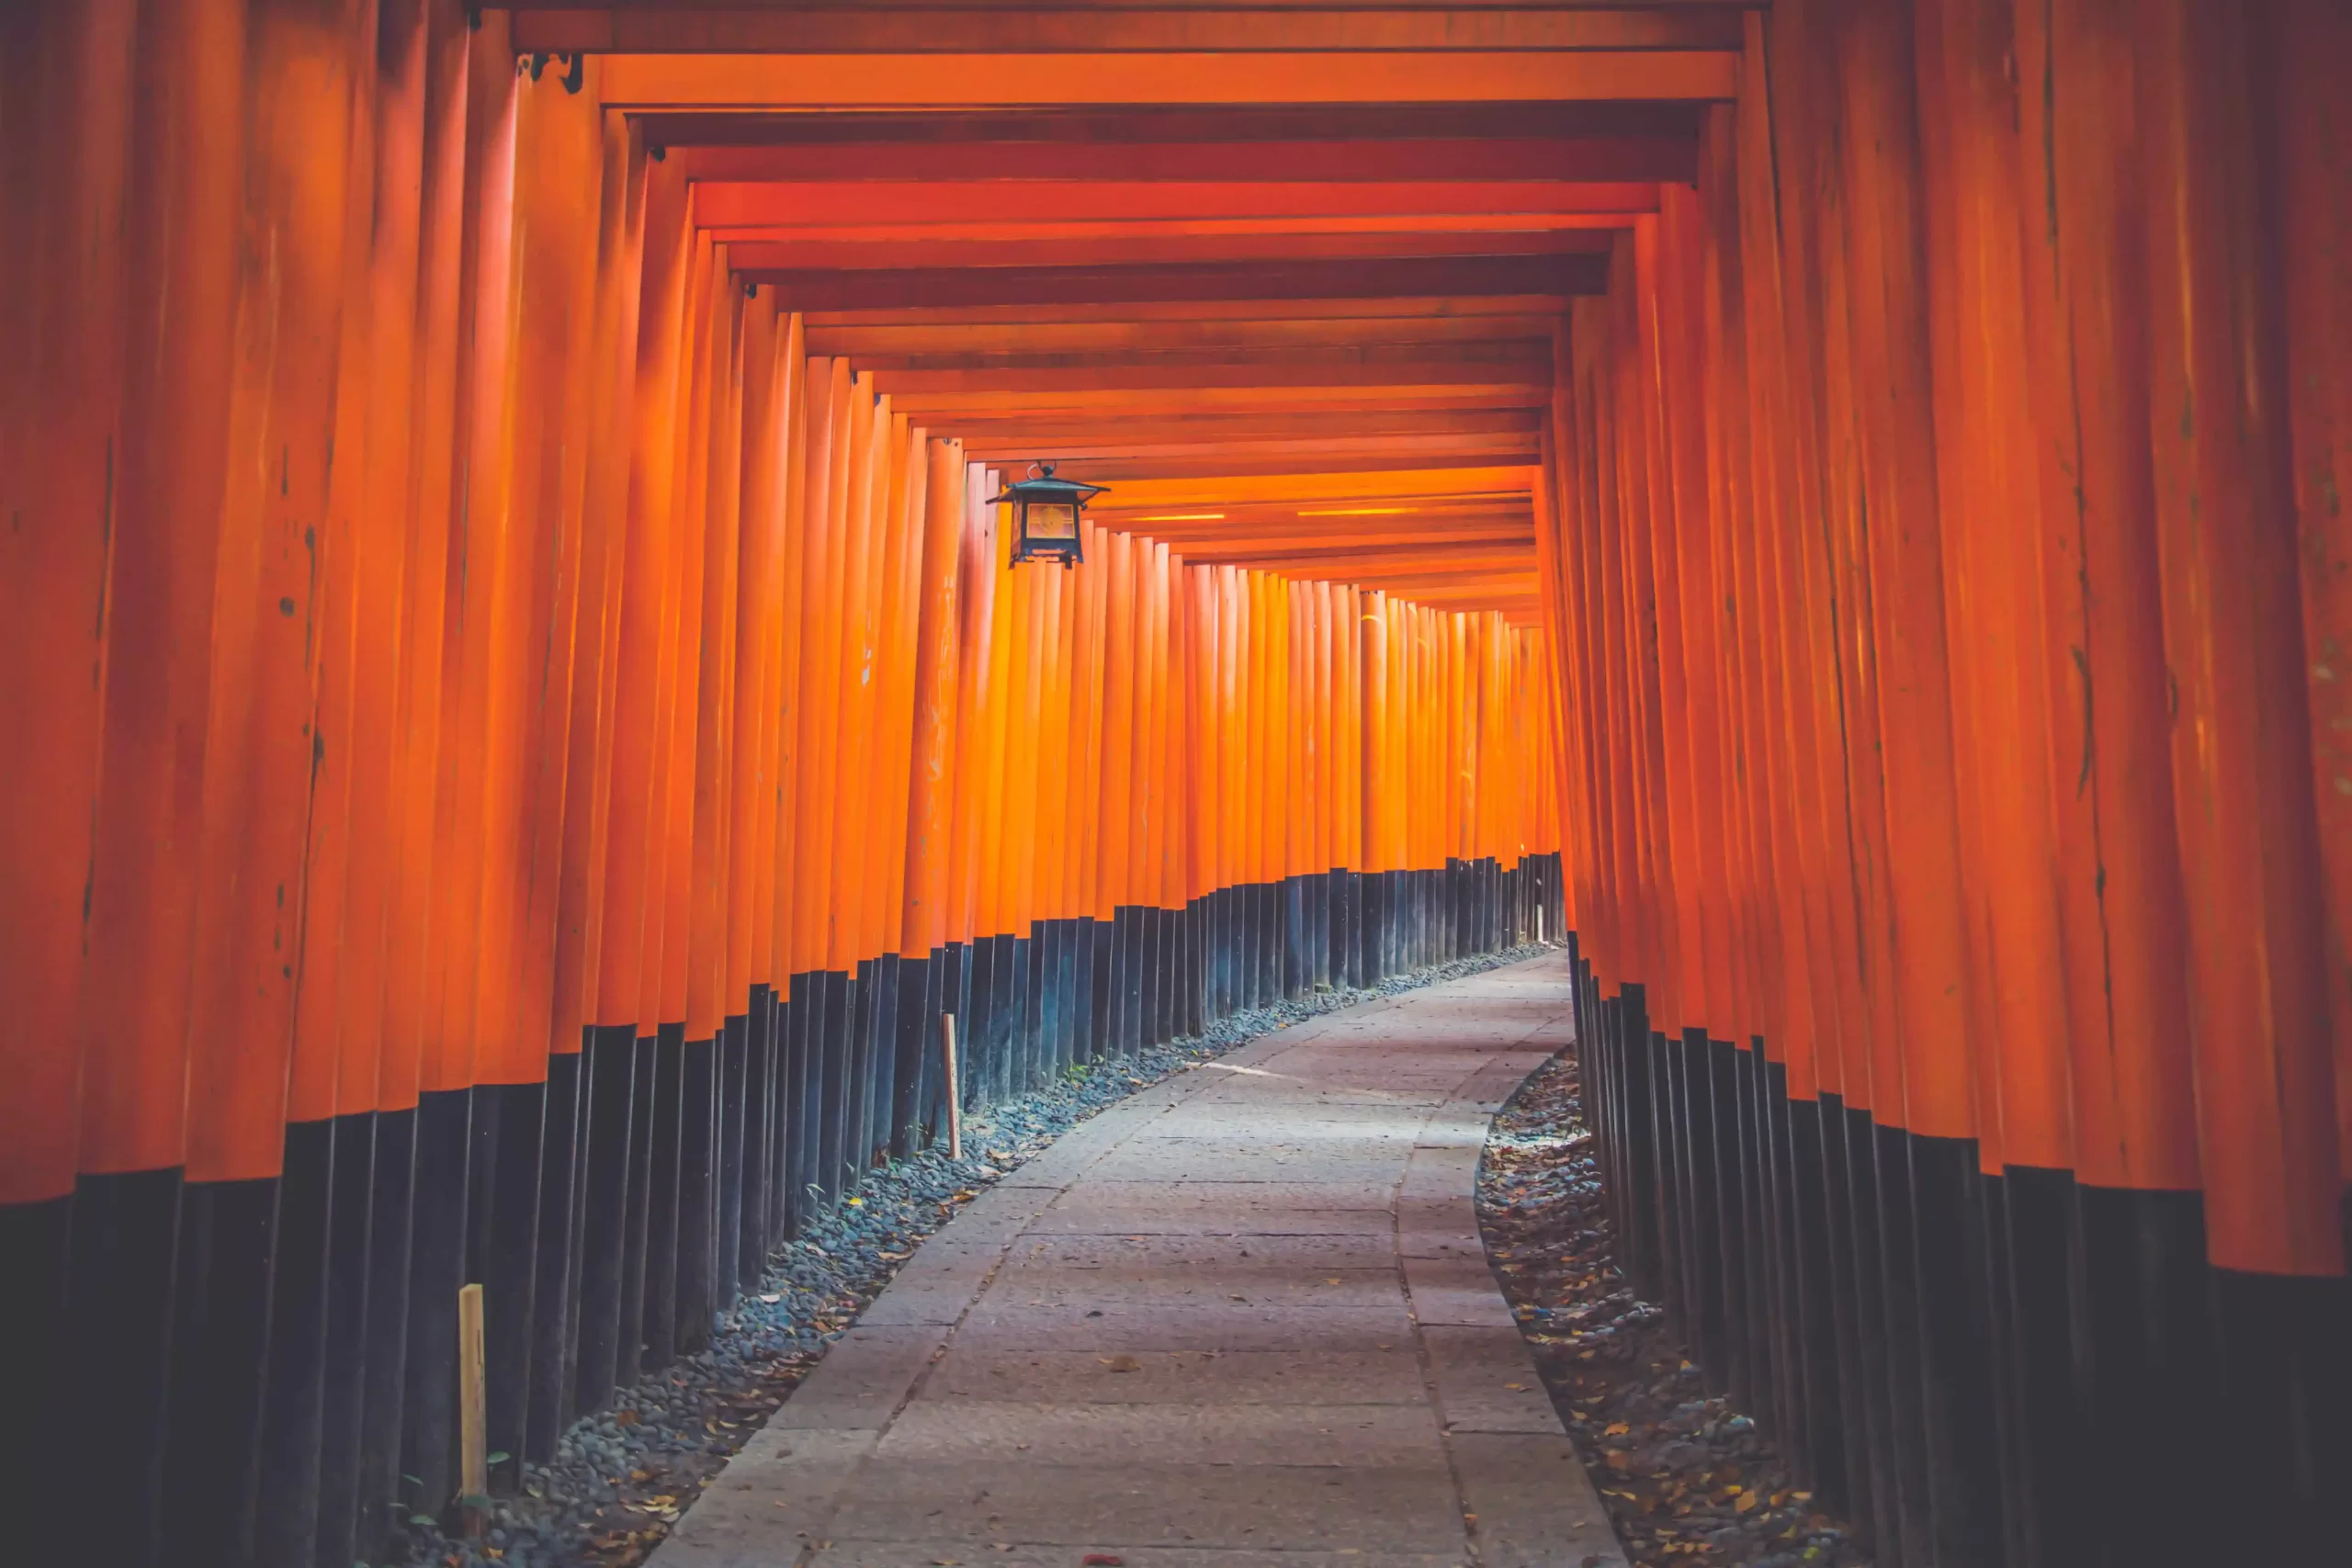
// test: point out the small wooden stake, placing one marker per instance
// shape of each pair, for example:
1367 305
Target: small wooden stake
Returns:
954 1094
473 1452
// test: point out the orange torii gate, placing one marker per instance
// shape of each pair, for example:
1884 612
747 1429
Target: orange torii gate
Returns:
520 721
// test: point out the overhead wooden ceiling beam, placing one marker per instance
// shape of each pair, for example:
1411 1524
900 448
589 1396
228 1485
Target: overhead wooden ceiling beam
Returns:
853 29
1117 237
809 204
877 347
945 81
1307 544
1439 305
1385 278
1072 398
1145 245
1311 533
1501 447
1336 490
1438 587
1672 157
1217 426
1064 124
1122 470
1371 560
1294 371
1505 446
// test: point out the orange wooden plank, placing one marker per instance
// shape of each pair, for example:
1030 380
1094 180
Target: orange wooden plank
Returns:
813 81
826 204
258 774
1245 152
731 29
873 347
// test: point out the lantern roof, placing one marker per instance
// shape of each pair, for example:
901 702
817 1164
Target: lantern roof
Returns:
1046 487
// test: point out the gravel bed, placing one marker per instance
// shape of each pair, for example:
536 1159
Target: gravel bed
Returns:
1684 1475
622 1477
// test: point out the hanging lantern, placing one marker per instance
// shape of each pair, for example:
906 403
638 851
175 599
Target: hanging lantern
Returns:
1045 515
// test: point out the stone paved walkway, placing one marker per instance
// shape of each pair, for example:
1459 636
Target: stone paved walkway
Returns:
1242 1319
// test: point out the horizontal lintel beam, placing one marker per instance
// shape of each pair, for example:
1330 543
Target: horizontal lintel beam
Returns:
947 288
972 81
803 204
975 29
1604 156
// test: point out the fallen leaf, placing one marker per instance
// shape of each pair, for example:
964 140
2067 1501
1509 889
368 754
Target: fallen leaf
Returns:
1518 1387
1120 1363
1104 1560
1746 1500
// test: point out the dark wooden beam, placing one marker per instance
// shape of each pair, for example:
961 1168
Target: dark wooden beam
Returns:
1157 247
818 204
806 81
883 288
1159 468
1628 156
884 29
1007 131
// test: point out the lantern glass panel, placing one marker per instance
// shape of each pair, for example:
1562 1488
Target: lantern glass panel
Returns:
1051 520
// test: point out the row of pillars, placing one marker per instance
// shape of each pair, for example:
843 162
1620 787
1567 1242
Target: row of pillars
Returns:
512 756
1946 551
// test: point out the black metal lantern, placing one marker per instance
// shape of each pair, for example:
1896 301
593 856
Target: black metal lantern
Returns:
1045 515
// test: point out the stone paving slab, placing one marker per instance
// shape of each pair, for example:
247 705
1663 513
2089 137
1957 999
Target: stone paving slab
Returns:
1244 1208
1486 1381
1131 1256
866 1375
1107 1506
1265 1280
1455 1292
1052 1433
1231 1379
961 1554
1242 1320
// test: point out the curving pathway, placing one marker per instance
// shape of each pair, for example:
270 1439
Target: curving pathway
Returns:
1242 1319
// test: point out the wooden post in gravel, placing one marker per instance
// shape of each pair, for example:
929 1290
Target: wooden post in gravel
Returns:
473 1453
955 1094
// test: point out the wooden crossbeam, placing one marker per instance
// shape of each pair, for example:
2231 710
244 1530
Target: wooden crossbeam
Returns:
1153 245
1337 490
1156 468
1372 564
1386 278
1317 450
1623 156
1007 132
943 81
1312 547
1239 369
846 30
877 346
944 410
816 204
1191 431
1291 531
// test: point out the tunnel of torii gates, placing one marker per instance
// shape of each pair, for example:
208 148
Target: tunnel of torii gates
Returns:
518 721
